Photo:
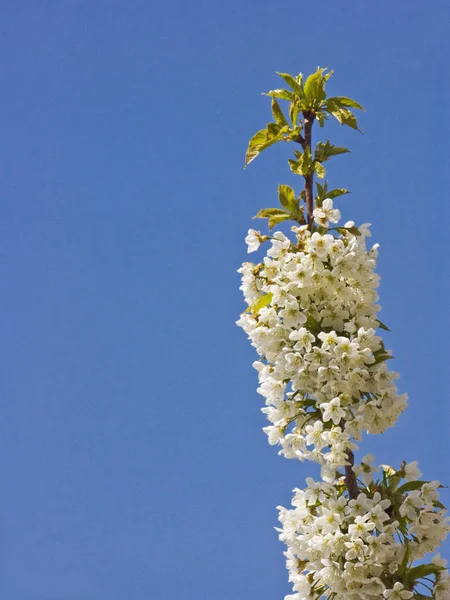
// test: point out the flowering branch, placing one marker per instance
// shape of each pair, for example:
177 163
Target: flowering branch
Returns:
309 117
350 477
322 369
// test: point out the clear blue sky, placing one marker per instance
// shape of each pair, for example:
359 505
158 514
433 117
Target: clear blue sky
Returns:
132 460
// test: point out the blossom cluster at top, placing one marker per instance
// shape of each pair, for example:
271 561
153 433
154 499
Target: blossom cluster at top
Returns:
312 317
366 548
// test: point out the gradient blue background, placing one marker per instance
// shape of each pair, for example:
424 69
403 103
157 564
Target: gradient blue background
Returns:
132 461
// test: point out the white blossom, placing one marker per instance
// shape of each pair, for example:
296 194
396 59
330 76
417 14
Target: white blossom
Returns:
326 213
323 373
317 335
345 546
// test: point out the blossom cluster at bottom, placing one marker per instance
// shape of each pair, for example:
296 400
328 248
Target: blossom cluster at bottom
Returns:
367 547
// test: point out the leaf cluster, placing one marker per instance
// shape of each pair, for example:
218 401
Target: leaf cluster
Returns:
306 99
291 209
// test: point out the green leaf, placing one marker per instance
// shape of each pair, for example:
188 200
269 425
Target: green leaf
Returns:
262 140
266 213
286 196
303 164
321 189
312 325
281 94
336 192
314 88
261 303
307 158
278 113
275 216
349 119
354 231
321 193
278 219
380 357
293 83
410 486
343 115
319 169
402 569
381 325
294 109
344 101
422 571
321 116
273 129
324 151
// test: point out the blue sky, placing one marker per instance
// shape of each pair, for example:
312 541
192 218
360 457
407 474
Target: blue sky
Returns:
132 460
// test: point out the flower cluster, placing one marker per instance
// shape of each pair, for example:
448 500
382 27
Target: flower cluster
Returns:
312 317
365 548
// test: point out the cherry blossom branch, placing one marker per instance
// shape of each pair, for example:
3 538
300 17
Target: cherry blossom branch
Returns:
309 117
350 477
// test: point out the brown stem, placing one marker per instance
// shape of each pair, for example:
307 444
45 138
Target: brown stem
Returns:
350 477
299 139
309 117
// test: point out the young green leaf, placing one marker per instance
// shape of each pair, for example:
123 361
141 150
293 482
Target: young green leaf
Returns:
381 357
286 196
346 102
261 303
321 117
281 94
278 113
303 164
314 88
319 169
278 219
266 213
321 189
404 564
312 325
421 571
410 486
326 150
293 83
355 231
262 140
274 216
343 115
336 192
294 109
349 119
273 129
381 325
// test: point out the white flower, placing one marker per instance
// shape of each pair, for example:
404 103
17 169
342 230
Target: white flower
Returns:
253 240
360 528
303 339
332 411
397 593
322 387
326 283
292 315
412 472
326 213
365 469
439 561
